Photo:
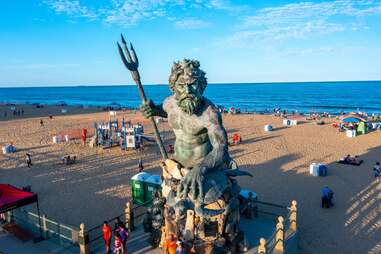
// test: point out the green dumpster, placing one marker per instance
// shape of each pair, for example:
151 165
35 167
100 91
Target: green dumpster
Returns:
138 187
153 183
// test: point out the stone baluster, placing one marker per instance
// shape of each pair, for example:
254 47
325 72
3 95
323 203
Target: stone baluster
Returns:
44 227
293 216
83 240
129 216
279 235
262 246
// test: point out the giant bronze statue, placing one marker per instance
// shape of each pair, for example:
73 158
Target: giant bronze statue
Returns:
199 197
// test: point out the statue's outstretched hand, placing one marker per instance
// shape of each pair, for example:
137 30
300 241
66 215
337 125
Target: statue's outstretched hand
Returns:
148 109
192 184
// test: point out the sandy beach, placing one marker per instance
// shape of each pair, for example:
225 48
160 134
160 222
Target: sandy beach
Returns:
97 186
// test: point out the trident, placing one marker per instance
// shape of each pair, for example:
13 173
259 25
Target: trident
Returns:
132 63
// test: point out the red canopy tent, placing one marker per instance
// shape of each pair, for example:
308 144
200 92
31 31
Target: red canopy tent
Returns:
12 198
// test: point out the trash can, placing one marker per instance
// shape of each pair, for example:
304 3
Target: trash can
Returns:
322 169
153 183
268 127
138 187
351 133
314 169
287 122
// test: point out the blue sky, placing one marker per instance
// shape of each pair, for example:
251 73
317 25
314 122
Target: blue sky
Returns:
73 42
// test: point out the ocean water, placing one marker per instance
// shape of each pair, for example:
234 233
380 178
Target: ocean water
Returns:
332 97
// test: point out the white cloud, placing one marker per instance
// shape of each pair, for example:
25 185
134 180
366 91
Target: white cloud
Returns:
280 33
302 20
191 23
130 12
298 12
72 8
224 5
306 51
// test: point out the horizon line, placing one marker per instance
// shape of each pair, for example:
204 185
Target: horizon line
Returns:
217 83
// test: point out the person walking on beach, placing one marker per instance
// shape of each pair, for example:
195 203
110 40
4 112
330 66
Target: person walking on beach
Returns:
28 160
41 123
326 199
377 171
106 230
140 165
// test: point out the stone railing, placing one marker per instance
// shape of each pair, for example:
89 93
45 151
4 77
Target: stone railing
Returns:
284 238
66 236
91 240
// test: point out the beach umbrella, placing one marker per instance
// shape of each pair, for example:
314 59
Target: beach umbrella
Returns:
351 120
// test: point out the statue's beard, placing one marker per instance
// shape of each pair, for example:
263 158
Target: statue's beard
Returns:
189 104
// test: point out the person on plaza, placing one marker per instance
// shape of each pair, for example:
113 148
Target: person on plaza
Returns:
118 247
251 210
377 171
170 244
123 236
180 247
106 230
28 160
118 224
327 196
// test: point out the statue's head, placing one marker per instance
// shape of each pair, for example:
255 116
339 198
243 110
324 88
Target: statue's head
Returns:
187 82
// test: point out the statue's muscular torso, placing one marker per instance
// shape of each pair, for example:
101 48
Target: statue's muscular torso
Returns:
192 143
